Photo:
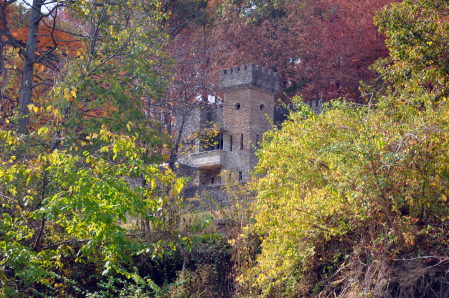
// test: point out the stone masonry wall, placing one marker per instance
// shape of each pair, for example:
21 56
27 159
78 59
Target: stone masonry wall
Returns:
249 75
248 101
255 105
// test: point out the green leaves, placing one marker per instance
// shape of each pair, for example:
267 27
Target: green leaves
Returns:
368 177
417 37
59 203
330 176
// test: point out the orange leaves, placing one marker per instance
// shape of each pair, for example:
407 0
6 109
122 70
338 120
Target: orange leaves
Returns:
49 38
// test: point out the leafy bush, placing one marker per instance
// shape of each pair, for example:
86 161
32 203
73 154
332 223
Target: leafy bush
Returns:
70 205
376 170
371 179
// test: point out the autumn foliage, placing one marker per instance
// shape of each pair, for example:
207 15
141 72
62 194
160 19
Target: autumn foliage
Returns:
351 200
54 47
322 49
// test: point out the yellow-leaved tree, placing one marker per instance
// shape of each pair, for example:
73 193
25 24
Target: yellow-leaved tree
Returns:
345 195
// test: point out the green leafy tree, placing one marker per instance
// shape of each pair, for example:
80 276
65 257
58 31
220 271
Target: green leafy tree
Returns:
417 37
89 163
73 205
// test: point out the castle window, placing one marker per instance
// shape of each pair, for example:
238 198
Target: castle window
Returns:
257 141
241 142
262 107
237 106
208 116
212 180
240 176
230 143
220 141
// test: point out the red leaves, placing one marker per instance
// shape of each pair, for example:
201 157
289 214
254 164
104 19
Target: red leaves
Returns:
328 44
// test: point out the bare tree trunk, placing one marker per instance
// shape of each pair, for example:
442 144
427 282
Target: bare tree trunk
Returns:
174 151
29 58
2 62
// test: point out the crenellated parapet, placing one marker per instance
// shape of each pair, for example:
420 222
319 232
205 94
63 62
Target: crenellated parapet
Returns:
249 75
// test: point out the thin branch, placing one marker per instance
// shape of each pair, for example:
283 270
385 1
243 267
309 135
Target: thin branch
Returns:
53 39
422 258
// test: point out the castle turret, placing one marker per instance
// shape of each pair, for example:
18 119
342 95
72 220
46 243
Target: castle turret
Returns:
246 113
249 76
249 92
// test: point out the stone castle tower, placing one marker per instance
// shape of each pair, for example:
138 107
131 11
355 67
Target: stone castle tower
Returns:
244 116
248 108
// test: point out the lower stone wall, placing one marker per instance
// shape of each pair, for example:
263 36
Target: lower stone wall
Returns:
206 196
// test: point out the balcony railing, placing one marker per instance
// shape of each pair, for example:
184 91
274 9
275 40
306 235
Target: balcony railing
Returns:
208 159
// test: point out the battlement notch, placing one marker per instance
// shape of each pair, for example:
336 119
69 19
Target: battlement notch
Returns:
247 76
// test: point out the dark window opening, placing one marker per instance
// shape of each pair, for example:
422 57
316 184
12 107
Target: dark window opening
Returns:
212 180
209 116
237 106
241 142
262 107
257 141
220 141
230 143
240 176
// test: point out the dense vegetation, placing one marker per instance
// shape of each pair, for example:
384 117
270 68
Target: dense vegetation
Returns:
350 195
347 202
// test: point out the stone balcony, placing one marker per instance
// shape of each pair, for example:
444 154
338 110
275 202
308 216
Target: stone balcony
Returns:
208 159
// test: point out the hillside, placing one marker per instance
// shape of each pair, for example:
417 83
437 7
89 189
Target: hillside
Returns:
95 102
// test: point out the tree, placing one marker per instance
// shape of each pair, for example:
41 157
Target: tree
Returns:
63 207
89 162
417 35
193 80
38 39
320 48
343 196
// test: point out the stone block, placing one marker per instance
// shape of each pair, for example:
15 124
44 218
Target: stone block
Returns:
247 76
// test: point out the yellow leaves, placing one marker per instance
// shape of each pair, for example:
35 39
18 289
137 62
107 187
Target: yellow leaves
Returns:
326 175
33 108
42 131
70 95
86 11
56 113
